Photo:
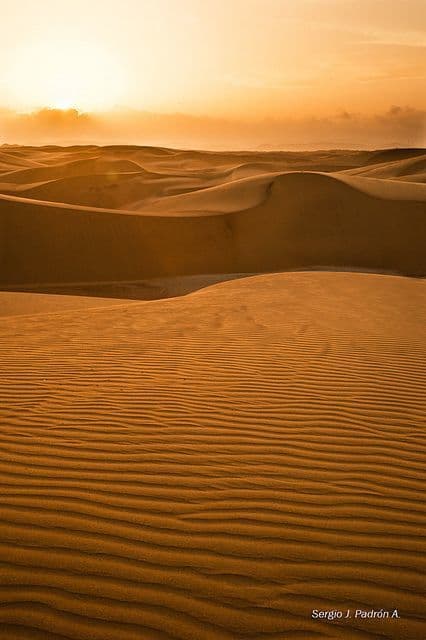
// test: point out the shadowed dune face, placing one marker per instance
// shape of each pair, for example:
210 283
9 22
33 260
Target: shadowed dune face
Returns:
216 466
314 219
131 213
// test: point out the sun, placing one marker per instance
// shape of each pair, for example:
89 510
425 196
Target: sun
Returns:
65 74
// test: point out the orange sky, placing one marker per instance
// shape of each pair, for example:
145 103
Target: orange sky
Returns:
214 73
227 58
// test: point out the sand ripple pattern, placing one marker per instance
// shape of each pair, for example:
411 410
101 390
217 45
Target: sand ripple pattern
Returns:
214 467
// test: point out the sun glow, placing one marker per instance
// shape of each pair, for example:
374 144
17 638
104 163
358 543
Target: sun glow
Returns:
65 75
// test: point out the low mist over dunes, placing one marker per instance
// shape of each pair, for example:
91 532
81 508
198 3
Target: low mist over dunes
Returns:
398 126
130 213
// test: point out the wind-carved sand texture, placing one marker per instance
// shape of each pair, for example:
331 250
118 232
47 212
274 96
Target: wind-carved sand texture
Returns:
218 464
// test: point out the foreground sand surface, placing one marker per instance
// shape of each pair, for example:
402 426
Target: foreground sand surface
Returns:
211 422
216 465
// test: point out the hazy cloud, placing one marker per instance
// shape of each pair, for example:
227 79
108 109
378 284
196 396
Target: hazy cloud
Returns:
398 126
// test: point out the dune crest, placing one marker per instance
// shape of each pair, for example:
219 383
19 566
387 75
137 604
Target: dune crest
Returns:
130 214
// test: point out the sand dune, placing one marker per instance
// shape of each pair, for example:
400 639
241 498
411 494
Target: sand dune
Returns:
408 169
390 155
216 466
23 303
129 213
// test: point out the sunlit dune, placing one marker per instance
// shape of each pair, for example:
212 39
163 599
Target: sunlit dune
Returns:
218 465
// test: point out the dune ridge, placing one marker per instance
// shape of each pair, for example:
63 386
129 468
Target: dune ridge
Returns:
161 213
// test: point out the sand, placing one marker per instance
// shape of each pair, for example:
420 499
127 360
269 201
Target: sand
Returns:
190 448
161 213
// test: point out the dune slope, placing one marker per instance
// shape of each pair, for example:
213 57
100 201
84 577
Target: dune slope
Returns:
216 466
254 224
98 214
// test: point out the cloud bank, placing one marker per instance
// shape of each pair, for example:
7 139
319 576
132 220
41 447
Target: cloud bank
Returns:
398 126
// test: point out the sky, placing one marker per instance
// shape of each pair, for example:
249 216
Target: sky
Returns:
250 61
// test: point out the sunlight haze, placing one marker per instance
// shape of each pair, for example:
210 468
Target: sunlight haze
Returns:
246 60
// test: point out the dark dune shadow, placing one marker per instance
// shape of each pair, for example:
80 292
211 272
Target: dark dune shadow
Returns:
150 289
161 288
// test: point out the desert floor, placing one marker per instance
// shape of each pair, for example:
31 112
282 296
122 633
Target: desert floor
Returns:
212 393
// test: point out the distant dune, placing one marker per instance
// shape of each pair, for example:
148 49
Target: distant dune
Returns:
129 213
241 441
